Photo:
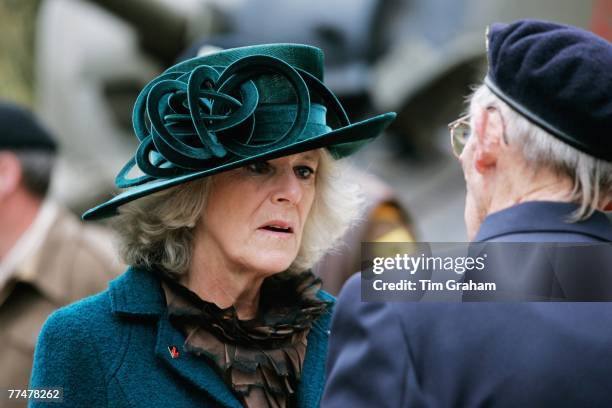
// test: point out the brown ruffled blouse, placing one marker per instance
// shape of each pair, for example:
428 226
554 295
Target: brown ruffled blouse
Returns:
259 359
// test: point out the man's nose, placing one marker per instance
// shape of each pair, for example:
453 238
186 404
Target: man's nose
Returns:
461 157
464 153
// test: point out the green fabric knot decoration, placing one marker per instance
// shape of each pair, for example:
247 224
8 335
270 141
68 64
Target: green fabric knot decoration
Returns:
190 121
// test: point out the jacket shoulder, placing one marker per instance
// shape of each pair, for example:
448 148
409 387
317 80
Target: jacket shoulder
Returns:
82 316
79 257
86 329
69 351
84 324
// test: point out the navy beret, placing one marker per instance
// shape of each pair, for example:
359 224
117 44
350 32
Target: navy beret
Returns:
20 130
557 76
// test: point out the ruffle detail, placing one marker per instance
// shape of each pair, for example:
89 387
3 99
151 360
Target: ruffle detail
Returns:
260 359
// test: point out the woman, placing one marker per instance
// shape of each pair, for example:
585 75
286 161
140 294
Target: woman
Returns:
239 195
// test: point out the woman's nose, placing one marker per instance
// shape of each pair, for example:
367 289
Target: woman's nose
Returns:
288 189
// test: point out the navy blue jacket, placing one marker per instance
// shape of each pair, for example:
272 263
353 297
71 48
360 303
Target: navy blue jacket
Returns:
111 350
477 354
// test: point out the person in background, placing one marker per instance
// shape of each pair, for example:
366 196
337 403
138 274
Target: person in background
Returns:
48 258
536 152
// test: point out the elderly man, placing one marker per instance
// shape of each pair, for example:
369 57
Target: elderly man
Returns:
536 151
47 257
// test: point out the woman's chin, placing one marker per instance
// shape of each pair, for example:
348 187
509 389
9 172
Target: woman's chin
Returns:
271 247
271 262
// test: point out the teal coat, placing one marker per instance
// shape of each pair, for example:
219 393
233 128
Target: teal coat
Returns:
111 350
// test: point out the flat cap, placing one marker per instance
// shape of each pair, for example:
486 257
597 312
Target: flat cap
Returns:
557 76
20 130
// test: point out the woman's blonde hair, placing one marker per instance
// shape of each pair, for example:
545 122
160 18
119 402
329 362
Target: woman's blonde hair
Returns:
158 230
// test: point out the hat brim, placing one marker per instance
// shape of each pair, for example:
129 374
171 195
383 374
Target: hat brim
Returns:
341 143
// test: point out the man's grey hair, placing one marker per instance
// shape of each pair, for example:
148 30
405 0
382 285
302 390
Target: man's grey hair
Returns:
592 177
158 230
36 169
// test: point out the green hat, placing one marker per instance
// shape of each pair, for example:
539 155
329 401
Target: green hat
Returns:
225 110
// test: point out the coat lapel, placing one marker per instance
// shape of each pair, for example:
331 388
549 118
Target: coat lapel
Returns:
138 294
189 366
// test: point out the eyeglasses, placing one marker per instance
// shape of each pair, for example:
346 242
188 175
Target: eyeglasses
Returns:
460 131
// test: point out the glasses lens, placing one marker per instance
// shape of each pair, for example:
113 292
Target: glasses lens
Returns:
459 136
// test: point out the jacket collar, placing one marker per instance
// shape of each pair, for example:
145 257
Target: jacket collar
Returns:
543 216
24 262
138 294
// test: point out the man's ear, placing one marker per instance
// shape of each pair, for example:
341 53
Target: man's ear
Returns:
489 131
10 173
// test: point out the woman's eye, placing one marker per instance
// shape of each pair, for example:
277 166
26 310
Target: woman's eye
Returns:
259 167
304 172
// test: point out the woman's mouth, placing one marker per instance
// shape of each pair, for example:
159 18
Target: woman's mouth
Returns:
280 228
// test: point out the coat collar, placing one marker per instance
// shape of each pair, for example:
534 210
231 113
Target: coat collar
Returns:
543 216
24 262
138 294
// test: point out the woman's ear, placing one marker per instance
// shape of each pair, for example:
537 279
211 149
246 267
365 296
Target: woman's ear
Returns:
10 173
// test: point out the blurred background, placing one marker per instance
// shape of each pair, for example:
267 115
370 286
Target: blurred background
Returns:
80 64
